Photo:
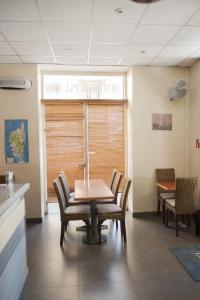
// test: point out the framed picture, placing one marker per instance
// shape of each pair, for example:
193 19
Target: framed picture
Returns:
16 141
162 121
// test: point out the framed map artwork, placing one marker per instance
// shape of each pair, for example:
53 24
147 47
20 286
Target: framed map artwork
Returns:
16 141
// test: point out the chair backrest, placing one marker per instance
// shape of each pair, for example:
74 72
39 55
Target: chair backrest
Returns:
65 187
116 184
60 196
112 178
165 174
124 195
187 194
2 179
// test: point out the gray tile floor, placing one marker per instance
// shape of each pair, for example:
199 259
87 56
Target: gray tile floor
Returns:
145 269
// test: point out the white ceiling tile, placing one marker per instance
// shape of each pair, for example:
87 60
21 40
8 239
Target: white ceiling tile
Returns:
154 34
189 35
1 38
22 31
171 12
105 61
177 51
196 54
135 50
67 49
112 33
106 50
166 62
20 10
104 11
32 48
65 10
68 32
135 61
5 49
38 59
195 20
188 62
71 60
9 59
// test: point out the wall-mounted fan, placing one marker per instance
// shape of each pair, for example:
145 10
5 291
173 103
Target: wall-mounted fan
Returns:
179 90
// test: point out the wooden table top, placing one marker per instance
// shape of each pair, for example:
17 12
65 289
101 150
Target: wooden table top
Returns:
93 189
167 185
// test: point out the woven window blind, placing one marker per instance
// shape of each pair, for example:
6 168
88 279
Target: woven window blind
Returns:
64 142
106 139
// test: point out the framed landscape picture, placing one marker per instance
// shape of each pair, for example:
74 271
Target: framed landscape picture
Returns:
16 141
162 121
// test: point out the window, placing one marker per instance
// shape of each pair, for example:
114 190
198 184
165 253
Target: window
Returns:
83 87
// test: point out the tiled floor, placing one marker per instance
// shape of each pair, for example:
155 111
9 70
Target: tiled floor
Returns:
143 270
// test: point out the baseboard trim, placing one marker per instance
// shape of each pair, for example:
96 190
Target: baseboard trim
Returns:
33 220
143 214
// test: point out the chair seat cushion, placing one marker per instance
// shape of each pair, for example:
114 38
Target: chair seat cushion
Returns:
166 195
171 202
71 194
103 201
77 202
78 210
108 209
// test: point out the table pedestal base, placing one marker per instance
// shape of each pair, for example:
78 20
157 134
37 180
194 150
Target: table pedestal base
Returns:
95 240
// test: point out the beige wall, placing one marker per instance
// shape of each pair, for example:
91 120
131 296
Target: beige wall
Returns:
23 105
147 149
153 148
194 119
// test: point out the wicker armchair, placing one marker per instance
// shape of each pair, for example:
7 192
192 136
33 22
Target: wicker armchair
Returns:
69 197
81 212
115 212
115 184
187 194
164 175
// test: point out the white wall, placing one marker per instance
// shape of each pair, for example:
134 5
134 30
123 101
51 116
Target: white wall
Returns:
153 148
23 105
194 119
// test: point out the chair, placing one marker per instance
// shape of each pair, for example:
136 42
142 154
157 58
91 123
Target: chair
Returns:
2 179
81 212
115 184
113 211
113 178
69 199
164 175
187 194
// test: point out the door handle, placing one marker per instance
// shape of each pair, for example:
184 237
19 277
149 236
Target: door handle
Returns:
80 165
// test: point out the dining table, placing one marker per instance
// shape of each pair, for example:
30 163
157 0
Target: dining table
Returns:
92 190
167 186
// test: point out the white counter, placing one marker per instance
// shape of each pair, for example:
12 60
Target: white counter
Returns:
13 258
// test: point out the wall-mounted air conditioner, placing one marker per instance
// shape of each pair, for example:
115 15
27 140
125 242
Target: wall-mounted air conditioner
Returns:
15 83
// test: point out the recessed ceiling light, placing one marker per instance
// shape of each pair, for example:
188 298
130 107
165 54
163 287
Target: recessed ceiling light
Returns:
69 51
142 51
119 10
144 1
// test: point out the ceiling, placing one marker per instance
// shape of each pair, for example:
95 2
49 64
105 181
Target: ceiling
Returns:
91 32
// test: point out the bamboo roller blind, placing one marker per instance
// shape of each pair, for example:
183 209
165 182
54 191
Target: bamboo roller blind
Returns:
65 139
106 140
64 142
